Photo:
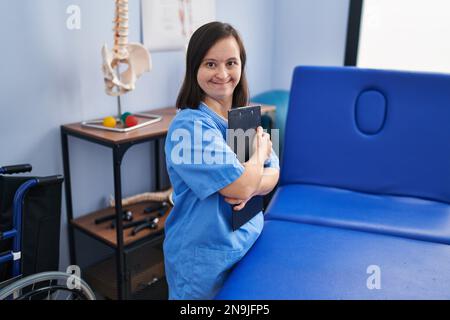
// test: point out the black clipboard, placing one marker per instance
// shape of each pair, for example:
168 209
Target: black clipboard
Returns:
245 118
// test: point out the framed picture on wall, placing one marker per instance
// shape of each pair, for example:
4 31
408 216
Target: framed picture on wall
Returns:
169 24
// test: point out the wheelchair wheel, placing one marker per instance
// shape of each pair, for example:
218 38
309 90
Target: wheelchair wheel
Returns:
48 286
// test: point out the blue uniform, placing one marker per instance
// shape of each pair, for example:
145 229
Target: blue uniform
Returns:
200 247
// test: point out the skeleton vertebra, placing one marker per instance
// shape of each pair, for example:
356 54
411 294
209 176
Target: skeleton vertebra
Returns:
134 55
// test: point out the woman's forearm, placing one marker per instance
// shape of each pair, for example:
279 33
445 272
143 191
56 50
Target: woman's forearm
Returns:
248 183
268 181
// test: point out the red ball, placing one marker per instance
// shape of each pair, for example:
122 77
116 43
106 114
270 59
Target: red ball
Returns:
131 121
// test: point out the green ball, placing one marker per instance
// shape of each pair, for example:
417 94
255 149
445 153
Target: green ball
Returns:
124 116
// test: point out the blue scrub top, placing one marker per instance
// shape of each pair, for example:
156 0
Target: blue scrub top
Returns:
200 247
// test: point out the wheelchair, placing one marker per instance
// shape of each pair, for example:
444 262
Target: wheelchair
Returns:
30 216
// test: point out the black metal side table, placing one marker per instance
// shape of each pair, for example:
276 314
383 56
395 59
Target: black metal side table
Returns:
119 143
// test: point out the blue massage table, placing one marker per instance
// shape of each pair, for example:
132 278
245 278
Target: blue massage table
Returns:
365 183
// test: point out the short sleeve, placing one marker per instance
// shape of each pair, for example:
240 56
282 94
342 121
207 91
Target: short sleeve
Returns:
199 154
273 161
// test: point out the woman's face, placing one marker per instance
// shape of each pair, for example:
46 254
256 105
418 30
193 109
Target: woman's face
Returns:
220 70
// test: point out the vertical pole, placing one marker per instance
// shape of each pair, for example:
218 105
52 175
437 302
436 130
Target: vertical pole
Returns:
120 261
68 193
119 107
157 165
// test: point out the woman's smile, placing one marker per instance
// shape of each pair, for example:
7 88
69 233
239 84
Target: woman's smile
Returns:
221 83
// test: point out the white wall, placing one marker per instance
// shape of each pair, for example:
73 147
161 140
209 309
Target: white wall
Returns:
307 32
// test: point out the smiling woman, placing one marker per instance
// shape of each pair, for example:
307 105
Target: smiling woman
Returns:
200 246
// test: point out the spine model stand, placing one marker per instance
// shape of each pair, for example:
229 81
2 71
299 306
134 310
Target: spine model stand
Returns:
134 55
137 61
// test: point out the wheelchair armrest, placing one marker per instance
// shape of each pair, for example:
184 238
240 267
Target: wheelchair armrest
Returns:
49 179
19 168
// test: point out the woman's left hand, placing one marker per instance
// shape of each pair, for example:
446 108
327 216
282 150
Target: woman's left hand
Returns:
238 204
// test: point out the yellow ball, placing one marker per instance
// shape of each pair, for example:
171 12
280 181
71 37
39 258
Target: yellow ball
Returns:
109 122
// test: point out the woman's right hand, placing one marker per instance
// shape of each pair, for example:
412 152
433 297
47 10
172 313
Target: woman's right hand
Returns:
262 145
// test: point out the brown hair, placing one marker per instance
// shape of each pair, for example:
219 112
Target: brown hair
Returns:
201 41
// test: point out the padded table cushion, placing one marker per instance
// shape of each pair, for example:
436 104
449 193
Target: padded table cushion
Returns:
401 216
373 131
301 261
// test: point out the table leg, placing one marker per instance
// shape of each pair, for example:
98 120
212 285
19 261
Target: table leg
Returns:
122 284
68 193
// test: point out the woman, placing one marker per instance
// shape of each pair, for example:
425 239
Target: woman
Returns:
200 247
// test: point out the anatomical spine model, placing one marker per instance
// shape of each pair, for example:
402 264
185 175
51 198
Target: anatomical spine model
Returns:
134 55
